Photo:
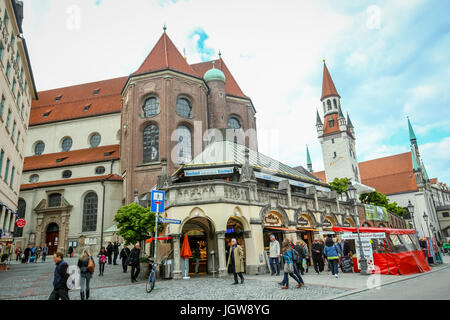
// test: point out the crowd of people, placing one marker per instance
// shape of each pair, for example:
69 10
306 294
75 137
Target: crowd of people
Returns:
31 254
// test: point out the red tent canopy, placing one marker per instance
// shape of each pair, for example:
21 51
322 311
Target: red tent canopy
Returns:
373 230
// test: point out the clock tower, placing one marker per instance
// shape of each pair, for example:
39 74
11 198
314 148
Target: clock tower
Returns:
336 135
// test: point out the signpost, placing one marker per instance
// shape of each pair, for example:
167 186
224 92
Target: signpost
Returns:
20 223
157 207
172 221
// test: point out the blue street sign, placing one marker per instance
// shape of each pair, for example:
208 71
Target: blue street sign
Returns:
172 221
157 201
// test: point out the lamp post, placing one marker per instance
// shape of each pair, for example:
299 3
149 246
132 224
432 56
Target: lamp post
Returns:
425 218
351 194
411 213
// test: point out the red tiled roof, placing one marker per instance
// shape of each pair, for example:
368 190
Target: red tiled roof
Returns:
71 158
231 86
389 175
320 175
326 126
75 98
433 181
111 177
328 88
165 55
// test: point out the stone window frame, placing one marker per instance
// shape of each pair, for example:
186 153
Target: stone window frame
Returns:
63 140
89 217
35 146
90 138
144 99
191 105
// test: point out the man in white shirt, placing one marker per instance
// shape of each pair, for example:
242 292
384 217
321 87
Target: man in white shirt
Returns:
274 254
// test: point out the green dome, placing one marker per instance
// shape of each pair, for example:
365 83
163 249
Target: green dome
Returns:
214 74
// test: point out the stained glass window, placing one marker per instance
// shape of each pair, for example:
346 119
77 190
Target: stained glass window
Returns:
150 144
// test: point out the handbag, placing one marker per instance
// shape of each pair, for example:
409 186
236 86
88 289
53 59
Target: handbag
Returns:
91 265
288 267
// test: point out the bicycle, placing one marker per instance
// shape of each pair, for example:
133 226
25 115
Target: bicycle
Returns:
151 277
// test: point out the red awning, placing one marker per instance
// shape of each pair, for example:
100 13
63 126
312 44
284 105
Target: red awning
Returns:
373 230
282 229
162 238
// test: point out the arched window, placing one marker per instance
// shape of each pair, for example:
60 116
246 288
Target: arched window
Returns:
54 200
150 144
335 104
184 145
151 107
34 178
234 123
90 212
39 148
21 208
329 105
66 144
331 122
95 140
184 108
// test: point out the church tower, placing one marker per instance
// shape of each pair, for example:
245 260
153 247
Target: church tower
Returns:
336 135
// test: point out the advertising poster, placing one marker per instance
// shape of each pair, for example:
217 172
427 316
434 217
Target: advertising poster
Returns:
376 213
368 253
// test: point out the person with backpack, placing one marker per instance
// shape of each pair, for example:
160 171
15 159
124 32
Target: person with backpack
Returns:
287 254
102 261
124 255
60 290
296 258
86 265
332 252
300 256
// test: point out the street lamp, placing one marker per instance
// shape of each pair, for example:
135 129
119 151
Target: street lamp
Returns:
351 194
425 218
411 213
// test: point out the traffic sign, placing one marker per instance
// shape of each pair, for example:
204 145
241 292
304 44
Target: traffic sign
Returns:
20 223
157 204
172 221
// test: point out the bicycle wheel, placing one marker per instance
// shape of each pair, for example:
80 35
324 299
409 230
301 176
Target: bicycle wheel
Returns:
150 282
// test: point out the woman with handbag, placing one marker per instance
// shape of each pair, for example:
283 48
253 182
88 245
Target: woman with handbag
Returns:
86 265
102 260
332 252
289 266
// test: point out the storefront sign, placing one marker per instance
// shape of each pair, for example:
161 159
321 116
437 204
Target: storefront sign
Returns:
303 222
376 213
208 172
327 223
368 254
272 220
20 223
364 235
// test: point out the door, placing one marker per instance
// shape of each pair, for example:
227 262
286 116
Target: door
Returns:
52 242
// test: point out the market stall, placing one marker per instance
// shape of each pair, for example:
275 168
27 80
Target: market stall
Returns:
397 253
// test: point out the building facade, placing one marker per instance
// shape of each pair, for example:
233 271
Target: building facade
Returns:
17 91
441 199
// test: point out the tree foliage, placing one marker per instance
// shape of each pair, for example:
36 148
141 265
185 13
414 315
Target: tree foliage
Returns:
378 199
340 185
135 223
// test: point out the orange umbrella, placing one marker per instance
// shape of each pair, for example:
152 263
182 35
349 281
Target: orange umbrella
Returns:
186 252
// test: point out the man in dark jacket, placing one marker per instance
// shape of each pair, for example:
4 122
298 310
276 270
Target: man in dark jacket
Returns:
135 263
27 253
116 252
60 290
301 256
317 255
124 254
109 252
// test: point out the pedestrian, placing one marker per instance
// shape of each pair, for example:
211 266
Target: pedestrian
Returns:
85 273
287 255
274 254
424 246
135 263
70 252
44 253
236 260
299 263
18 253
196 257
27 253
38 253
305 263
32 256
116 252
332 253
60 290
317 255
109 251
101 261
124 255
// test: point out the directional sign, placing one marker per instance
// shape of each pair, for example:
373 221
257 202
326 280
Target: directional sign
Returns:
172 221
157 201
20 223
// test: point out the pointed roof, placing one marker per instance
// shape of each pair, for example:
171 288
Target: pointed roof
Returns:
308 157
165 55
341 115
318 120
412 136
425 172
349 122
328 88
414 160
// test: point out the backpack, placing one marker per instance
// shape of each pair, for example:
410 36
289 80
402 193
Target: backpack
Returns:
295 255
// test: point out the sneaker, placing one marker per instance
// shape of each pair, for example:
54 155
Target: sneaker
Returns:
336 276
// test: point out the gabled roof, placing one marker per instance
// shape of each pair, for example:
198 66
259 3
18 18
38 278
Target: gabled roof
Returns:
73 99
328 88
231 86
71 158
29 186
165 55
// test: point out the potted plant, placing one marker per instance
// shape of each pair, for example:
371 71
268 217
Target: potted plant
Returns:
145 267
3 259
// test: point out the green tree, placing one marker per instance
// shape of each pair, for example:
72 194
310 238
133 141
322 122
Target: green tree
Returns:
135 223
340 185
378 199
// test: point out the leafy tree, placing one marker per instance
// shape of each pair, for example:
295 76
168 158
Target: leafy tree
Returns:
340 185
378 199
135 223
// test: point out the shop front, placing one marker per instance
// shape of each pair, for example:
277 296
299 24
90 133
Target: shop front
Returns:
273 224
306 231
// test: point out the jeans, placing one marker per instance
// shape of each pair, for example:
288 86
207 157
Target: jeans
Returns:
197 264
272 260
84 281
298 274
44 255
236 277
286 279
135 269
57 294
124 264
333 265
115 258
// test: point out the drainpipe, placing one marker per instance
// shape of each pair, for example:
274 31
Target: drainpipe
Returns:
103 214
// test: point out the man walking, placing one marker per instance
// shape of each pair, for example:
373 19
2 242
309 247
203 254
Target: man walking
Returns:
18 253
27 253
109 251
116 252
44 253
135 264
60 290
124 254
317 256
274 254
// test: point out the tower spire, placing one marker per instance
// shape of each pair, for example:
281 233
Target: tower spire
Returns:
328 88
318 120
308 160
412 136
349 122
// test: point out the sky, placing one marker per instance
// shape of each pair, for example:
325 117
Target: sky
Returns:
388 59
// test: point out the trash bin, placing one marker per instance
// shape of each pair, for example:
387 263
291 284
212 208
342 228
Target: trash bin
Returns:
166 270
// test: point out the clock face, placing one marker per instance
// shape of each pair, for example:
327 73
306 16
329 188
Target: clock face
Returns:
332 163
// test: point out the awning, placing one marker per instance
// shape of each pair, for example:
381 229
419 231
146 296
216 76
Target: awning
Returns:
368 229
306 229
162 238
282 229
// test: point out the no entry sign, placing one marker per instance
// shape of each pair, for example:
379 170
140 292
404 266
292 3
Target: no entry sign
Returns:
20 223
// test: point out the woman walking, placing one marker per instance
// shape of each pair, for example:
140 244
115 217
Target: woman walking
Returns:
102 260
289 266
236 260
331 251
85 273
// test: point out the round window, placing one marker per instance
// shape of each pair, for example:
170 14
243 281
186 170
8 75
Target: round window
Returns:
67 174
234 123
34 178
39 148
66 144
100 170
95 140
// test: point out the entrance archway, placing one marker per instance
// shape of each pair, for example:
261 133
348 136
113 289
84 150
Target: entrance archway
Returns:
52 238
235 230
201 235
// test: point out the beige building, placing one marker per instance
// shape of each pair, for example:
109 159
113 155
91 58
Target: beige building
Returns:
17 90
